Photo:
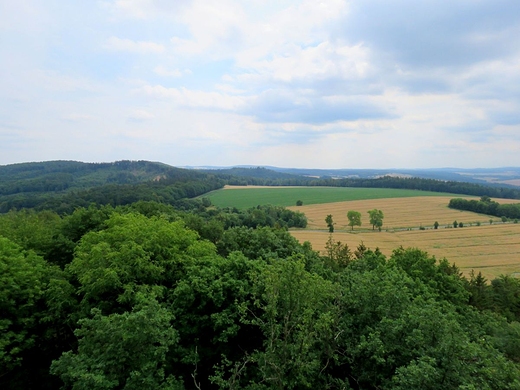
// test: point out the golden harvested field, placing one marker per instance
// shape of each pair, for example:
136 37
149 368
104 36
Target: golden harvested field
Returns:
491 249
399 212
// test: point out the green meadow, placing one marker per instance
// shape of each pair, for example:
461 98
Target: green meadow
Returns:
242 198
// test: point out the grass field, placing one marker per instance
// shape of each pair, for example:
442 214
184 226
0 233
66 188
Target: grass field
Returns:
251 196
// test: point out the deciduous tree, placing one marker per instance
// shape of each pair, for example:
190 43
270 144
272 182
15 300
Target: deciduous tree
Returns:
354 218
376 218
330 223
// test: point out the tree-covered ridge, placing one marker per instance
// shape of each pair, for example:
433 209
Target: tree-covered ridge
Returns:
130 298
63 186
62 175
252 176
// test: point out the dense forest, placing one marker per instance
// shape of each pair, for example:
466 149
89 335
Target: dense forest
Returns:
127 281
150 296
62 186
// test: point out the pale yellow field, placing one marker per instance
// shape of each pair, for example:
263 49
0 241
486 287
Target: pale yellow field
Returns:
398 213
491 249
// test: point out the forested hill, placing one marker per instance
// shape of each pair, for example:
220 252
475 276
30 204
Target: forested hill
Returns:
64 175
64 185
258 176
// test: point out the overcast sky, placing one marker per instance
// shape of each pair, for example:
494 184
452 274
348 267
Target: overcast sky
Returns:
331 84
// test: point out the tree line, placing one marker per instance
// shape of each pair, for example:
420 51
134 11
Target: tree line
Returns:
354 219
487 206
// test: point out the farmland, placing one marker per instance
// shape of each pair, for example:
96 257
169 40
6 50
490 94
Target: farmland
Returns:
400 213
251 196
492 249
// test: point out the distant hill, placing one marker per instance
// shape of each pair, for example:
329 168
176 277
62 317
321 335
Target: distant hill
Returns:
66 175
64 185
254 172
503 177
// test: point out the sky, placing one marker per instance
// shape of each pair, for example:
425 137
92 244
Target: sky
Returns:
308 84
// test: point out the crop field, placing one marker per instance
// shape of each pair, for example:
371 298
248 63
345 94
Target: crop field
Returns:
252 196
399 213
490 249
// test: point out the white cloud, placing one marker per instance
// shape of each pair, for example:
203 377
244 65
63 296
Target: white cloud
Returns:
139 9
194 99
141 47
166 72
315 63
143 9
77 117
141 115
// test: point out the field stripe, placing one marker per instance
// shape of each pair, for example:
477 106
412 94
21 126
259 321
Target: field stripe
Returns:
287 196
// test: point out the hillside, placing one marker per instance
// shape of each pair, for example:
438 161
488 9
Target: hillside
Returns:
66 175
64 185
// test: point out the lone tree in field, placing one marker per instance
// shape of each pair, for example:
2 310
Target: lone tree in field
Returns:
330 223
376 218
354 218
436 225
299 203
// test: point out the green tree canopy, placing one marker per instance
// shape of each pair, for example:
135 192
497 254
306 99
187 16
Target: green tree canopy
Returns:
376 218
330 223
121 351
354 218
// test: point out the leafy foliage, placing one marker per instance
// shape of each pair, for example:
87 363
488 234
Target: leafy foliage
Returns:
376 218
354 218
121 351
487 206
148 297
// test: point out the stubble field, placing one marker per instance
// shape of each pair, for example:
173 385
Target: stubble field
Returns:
399 212
492 249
